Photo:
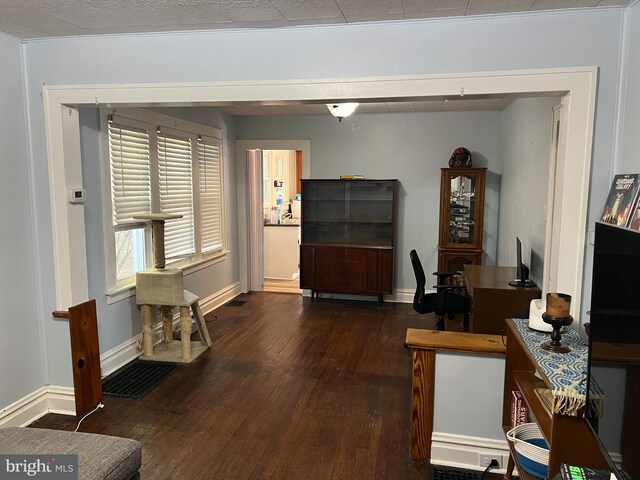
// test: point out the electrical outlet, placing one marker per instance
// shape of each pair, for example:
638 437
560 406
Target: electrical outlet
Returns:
485 459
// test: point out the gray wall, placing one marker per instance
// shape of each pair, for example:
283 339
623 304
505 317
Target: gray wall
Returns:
120 321
629 148
491 43
21 346
526 136
411 147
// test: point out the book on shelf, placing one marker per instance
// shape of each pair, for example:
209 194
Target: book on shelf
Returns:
519 409
621 205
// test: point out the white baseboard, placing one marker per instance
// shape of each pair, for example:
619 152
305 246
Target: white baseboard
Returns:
401 295
44 400
117 357
463 451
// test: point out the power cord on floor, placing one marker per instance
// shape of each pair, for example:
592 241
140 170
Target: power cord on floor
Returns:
492 464
99 406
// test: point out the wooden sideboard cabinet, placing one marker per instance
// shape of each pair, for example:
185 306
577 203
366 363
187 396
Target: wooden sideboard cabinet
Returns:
461 217
348 236
568 437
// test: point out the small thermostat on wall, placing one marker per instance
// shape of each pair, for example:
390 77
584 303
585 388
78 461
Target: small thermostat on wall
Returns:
77 195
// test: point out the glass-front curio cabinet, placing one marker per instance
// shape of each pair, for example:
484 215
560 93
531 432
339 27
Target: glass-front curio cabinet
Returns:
348 236
461 217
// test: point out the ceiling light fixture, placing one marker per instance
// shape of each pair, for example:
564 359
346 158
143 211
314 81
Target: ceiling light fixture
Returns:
341 110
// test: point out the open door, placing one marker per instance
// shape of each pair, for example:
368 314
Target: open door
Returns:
255 219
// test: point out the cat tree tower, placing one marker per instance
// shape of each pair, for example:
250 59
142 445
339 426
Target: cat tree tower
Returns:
163 287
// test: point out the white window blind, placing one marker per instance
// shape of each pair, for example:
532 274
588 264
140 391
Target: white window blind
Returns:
176 193
130 172
210 172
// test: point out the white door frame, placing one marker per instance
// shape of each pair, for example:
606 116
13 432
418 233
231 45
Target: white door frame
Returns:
251 249
65 171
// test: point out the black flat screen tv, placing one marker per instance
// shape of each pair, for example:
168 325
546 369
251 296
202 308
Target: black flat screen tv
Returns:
613 399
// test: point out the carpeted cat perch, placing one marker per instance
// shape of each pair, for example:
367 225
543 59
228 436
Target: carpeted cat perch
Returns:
163 287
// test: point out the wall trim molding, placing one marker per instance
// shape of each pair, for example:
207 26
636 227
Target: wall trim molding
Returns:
48 399
127 351
462 451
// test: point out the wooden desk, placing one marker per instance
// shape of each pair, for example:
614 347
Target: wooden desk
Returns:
424 344
493 299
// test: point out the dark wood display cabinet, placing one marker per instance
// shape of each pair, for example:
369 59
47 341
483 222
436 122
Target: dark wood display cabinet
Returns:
348 236
461 218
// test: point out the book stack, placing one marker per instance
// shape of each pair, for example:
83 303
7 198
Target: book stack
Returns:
519 409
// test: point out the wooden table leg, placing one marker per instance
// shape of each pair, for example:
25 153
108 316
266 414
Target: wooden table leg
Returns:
510 466
423 387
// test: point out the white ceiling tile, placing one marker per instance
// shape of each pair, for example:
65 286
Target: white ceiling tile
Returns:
428 106
552 4
455 105
450 12
20 31
294 10
262 23
248 10
374 107
371 10
485 7
194 14
41 18
422 7
399 107
613 3
317 21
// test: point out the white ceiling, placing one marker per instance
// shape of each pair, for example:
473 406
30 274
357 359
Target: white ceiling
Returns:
54 18
439 105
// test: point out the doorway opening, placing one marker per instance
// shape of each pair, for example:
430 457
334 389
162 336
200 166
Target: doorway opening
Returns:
281 199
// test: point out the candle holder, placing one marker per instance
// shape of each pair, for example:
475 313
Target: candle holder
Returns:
557 315
555 345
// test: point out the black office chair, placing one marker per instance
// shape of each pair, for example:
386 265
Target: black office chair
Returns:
444 301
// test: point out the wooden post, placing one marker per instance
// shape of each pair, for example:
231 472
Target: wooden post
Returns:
167 324
423 388
185 332
146 312
157 229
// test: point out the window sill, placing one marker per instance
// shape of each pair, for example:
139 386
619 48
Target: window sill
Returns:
127 290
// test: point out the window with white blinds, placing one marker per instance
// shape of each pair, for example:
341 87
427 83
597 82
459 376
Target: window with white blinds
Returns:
210 173
159 163
130 172
175 179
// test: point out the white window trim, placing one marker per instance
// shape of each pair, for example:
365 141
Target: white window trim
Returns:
125 288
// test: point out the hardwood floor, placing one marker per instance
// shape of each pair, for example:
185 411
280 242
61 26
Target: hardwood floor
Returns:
291 389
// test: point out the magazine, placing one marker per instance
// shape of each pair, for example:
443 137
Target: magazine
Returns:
622 200
635 216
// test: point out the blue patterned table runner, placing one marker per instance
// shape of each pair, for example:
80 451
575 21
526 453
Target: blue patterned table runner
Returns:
566 372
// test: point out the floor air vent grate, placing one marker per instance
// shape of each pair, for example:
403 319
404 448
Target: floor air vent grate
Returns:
235 303
451 473
137 379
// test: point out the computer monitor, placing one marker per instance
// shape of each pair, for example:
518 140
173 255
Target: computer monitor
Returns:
521 269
